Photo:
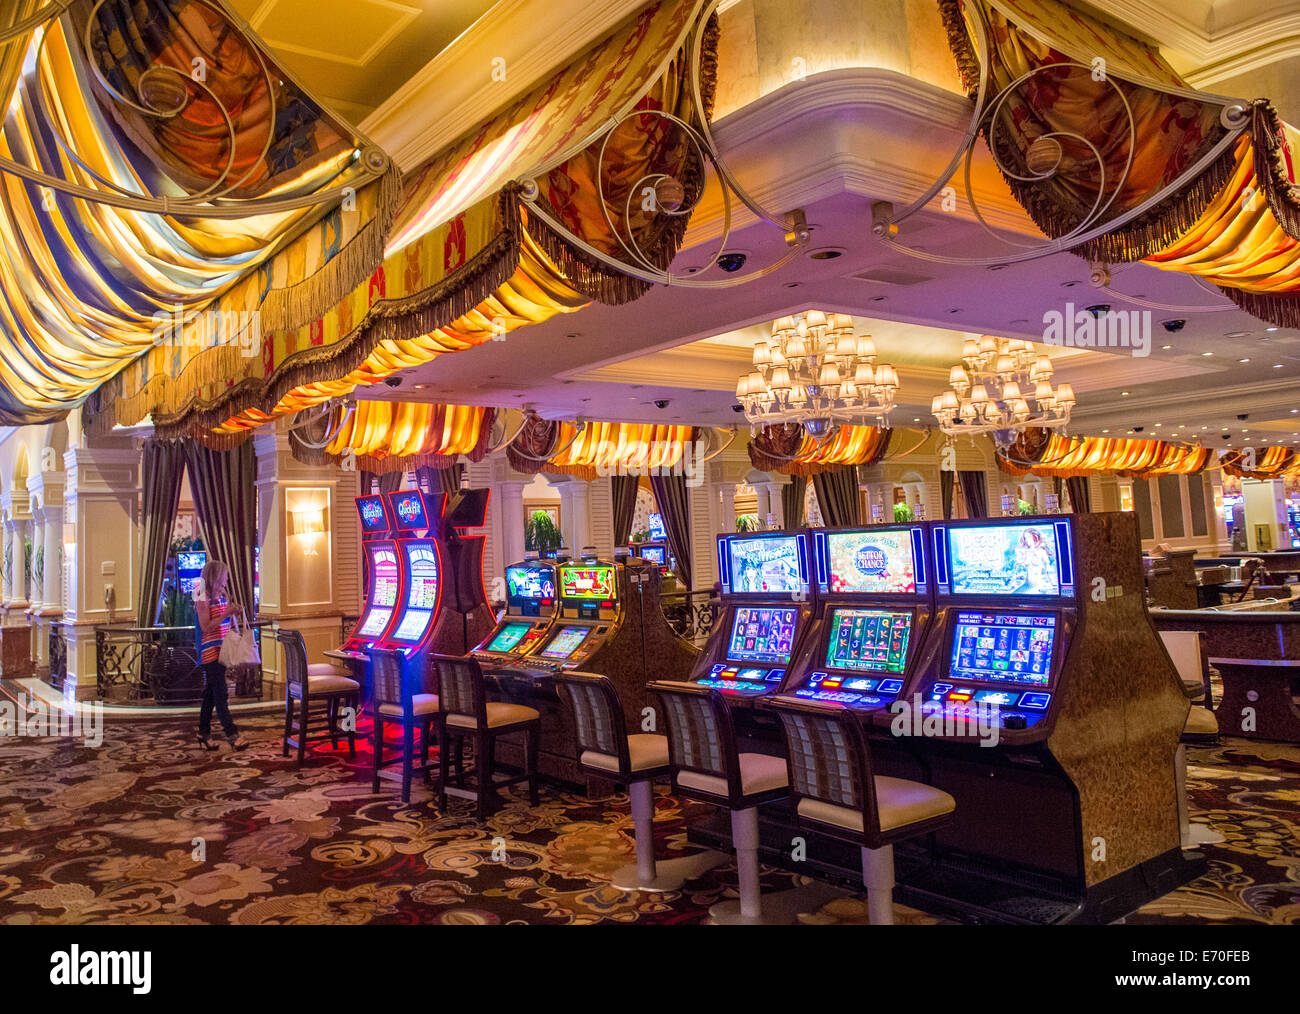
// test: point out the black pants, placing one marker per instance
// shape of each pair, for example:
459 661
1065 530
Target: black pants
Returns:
214 695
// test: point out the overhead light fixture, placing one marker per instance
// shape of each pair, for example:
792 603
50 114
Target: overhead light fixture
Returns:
815 372
993 386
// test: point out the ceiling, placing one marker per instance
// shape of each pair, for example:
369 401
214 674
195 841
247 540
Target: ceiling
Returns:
354 54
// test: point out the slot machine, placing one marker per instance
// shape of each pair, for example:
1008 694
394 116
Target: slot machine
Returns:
874 605
382 577
1044 702
189 567
589 614
466 616
654 552
419 555
767 607
530 610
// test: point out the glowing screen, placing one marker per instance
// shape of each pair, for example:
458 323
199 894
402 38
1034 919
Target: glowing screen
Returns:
871 640
1009 647
762 634
765 566
1003 560
871 563
587 583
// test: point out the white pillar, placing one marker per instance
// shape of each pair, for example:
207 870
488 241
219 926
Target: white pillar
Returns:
579 501
512 521
727 521
775 507
19 543
763 508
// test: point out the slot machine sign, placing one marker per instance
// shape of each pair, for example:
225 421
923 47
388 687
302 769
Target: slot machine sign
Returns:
1004 560
872 563
765 566
411 515
371 511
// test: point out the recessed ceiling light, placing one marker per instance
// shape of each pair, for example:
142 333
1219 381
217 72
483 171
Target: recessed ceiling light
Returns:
1243 360
1271 329
1166 346
1123 394
1105 431
1207 353
1236 334
1277 366
419 387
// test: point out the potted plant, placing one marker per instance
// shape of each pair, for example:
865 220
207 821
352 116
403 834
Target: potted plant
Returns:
541 533
747 523
903 513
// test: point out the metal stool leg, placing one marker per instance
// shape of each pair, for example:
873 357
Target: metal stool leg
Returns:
1190 835
744 835
878 876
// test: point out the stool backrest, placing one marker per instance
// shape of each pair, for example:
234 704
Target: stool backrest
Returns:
597 715
700 733
1186 652
827 757
461 688
388 677
295 658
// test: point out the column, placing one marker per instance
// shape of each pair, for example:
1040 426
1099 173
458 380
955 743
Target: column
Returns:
512 520
764 506
727 519
776 508
580 523
8 555
21 534
36 588
103 557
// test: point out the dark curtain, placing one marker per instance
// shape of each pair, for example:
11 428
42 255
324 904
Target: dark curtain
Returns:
161 471
438 480
390 482
947 481
673 499
1079 500
226 504
837 495
792 498
622 494
975 493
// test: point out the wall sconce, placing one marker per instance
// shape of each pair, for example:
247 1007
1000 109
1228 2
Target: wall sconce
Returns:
310 523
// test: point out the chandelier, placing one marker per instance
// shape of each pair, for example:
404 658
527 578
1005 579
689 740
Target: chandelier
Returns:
815 372
992 391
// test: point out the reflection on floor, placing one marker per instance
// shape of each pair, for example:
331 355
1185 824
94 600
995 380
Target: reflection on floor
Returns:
111 835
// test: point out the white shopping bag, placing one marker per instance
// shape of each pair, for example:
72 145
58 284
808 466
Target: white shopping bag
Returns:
239 647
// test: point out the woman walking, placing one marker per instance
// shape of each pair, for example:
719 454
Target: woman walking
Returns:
211 608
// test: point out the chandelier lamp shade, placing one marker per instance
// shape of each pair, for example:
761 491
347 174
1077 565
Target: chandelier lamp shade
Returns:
1001 384
815 372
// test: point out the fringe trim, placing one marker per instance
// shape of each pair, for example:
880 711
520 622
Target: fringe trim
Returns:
384 463
968 65
294 306
400 319
1280 309
1270 168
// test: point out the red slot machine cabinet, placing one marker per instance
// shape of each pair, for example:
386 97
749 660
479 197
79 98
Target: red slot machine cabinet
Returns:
875 600
530 612
466 616
768 604
382 577
416 516
1044 703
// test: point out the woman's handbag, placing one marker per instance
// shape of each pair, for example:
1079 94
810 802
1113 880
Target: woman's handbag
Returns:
239 647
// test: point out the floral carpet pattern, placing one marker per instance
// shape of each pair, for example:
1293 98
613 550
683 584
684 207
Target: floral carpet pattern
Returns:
147 828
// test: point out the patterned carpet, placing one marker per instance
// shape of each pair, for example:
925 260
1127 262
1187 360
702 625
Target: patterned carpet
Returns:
109 835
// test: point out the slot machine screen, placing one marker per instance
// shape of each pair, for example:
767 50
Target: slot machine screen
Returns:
768 566
371 511
410 512
655 554
590 583
1004 560
530 583
508 637
656 526
762 634
871 563
1007 647
868 640
566 642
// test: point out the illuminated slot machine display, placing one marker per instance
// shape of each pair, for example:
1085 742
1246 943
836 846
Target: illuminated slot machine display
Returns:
875 601
654 552
767 608
420 565
1045 704
590 611
530 610
382 577
189 566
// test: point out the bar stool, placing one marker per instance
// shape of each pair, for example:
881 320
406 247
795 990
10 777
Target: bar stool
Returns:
400 697
308 685
1202 726
836 793
606 750
707 766
467 712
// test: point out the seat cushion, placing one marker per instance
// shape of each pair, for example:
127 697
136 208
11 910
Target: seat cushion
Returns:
323 669
1194 689
759 772
1201 722
644 750
498 714
334 683
898 801
422 704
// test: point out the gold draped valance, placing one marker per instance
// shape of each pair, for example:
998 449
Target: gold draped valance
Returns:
1044 453
789 450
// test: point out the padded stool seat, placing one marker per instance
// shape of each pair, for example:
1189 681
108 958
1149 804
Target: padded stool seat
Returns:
759 772
1201 722
332 684
422 704
498 714
899 802
323 669
645 750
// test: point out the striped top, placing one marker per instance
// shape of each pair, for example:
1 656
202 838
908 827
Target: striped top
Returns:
210 648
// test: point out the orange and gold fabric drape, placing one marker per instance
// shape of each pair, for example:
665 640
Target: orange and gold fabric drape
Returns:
624 449
1269 463
1236 225
789 450
1040 452
464 263
389 436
